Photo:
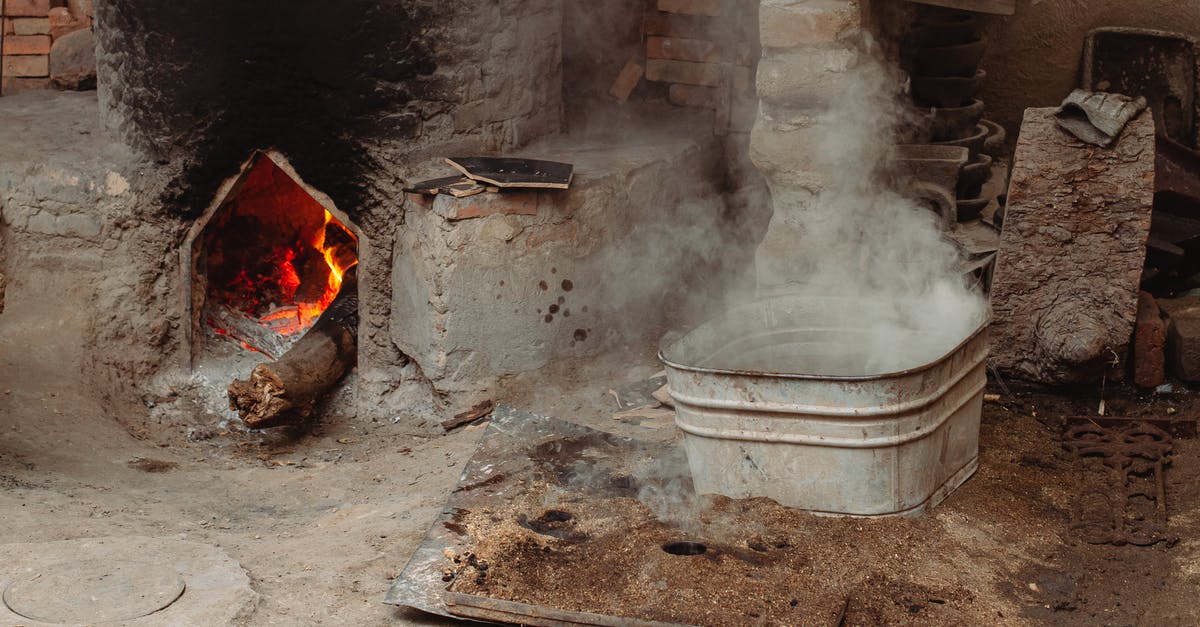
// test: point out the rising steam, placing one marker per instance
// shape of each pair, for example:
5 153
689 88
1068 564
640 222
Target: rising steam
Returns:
898 296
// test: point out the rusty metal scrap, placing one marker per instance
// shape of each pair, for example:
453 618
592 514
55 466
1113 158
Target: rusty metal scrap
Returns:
1127 503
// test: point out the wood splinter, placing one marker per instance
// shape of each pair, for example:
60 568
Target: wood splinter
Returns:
286 391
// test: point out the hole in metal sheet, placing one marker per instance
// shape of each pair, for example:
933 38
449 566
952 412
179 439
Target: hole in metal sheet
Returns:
684 547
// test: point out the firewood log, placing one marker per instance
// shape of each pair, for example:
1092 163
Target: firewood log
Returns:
286 391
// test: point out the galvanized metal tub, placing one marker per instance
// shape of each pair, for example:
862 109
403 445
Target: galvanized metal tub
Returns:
867 445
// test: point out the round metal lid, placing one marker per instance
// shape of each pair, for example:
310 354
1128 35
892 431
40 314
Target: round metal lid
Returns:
94 591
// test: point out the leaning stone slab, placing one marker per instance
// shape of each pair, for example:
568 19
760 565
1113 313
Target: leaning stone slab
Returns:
1183 335
1078 216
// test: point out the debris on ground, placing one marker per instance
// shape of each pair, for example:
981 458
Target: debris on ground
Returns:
476 412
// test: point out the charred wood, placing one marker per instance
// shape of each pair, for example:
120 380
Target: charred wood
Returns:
286 391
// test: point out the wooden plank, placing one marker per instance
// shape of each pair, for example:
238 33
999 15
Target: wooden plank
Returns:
512 172
431 186
627 80
464 189
471 415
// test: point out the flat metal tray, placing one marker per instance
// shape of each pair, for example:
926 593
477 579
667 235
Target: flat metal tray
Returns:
494 475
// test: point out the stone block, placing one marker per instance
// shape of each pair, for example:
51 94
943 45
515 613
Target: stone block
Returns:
679 49
811 77
26 44
1183 335
693 7
73 61
30 66
1149 340
791 24
1075 229
686 72
31 26
508 203
775 259
26 8
784 145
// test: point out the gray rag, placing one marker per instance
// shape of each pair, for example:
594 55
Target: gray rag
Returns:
1097 117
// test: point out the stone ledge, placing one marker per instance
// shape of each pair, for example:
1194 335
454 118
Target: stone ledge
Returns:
481 299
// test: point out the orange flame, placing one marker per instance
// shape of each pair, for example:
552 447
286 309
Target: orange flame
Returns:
304 314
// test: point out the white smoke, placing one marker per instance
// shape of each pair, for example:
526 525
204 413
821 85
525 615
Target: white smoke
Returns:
899 298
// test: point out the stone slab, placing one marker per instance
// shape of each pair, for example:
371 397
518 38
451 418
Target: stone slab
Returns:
1183 335
1073 243
216 589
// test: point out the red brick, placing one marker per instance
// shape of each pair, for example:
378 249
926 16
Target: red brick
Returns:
805 24
565 232
1149 340
627 80
693 96
686 72
63 22
32 66
8 27
487 204
31 26
14 85
699 50
26 8
693 7
27 44
674 25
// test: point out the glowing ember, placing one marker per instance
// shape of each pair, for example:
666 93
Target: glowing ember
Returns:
301 314
274 260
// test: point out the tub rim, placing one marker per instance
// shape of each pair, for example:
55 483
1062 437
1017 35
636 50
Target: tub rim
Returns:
984 322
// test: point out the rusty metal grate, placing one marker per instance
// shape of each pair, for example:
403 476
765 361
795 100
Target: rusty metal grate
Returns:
1124 498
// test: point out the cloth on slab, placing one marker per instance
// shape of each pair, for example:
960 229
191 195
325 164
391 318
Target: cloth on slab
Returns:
1097 117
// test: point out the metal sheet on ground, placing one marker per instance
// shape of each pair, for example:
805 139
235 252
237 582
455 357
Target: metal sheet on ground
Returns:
495 473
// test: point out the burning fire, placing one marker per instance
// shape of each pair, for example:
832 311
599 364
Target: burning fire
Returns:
290 320
284 291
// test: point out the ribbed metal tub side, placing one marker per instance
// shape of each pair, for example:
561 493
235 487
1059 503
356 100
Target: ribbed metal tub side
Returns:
887 444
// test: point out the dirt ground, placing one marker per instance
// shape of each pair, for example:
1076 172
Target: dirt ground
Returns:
323 521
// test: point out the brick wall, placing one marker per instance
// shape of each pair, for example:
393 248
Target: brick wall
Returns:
30 28
703 52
